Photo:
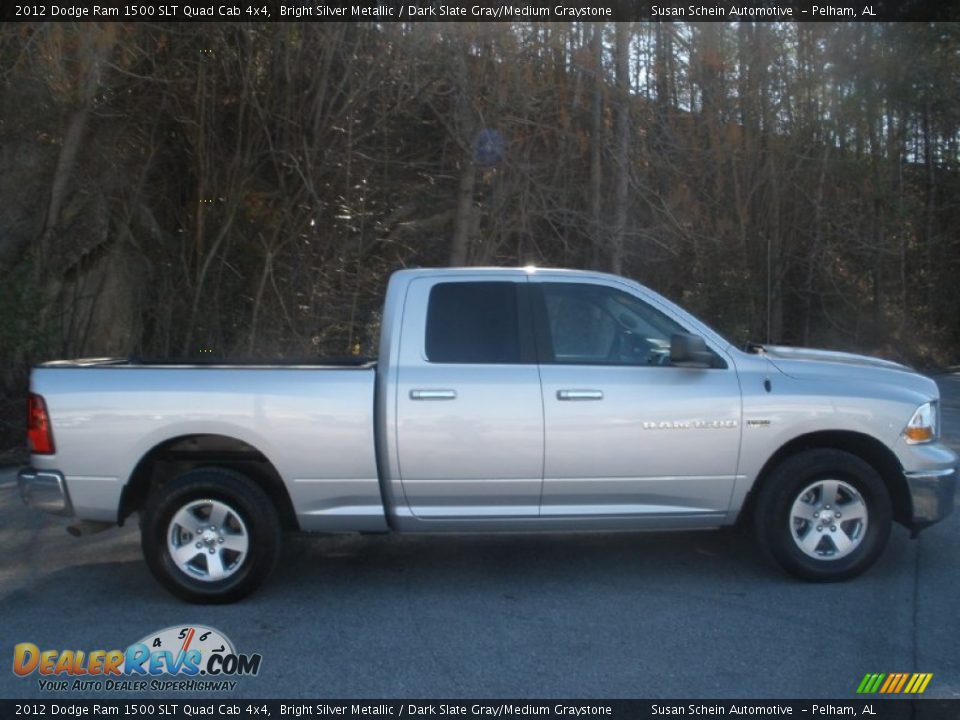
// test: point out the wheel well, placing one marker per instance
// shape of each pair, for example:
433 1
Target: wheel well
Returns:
867 448
178 455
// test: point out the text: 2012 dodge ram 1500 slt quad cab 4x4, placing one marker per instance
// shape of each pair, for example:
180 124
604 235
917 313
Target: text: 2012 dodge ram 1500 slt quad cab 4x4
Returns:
502 400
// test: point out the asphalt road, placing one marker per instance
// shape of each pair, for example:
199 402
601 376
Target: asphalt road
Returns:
602 616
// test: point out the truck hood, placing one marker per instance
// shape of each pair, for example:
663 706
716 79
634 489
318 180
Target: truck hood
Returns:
829 365
784 352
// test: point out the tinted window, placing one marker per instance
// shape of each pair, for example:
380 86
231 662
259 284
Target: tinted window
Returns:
473 322
594 324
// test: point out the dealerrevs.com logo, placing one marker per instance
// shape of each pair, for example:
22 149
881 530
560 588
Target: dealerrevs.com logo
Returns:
182 657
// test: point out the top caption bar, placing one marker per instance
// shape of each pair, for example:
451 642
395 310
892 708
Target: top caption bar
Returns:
480 10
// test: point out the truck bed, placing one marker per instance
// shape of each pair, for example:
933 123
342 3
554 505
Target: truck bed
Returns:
312 422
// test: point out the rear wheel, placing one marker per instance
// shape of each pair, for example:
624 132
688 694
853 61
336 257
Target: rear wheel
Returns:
824 515
210 536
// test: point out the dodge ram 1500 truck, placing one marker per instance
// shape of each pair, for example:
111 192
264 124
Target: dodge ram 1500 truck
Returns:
502 400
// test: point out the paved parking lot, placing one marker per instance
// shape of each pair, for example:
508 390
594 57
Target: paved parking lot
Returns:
616 615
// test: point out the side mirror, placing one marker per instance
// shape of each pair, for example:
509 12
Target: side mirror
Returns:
688 350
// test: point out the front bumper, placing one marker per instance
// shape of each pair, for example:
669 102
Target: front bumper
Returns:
44 490
931 493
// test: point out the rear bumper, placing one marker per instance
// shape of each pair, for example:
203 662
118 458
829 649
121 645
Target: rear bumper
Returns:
44 490
932 495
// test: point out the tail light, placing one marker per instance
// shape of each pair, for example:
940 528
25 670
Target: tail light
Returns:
39 432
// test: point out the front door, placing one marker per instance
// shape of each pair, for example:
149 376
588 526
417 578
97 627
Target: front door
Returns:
626 433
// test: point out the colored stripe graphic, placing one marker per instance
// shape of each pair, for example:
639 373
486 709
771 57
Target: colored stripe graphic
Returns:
894 683
903 681
899 681
870 683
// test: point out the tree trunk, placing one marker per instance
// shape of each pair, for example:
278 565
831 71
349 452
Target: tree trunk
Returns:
596 146
463 224
622 52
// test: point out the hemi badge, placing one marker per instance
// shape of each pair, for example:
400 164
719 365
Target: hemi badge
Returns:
758 423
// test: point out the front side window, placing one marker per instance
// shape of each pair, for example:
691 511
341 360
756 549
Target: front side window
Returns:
594 324
473 322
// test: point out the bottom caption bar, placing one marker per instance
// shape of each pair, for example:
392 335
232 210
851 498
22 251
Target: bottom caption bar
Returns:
174 709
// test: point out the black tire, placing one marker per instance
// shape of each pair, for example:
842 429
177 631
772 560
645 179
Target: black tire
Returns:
251 506
776 529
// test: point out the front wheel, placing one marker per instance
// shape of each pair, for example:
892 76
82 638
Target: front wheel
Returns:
210 535
824 515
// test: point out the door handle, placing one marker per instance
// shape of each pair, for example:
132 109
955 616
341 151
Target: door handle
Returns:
433 394
579 395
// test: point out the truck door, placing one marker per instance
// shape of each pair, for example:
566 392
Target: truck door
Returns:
469 408
627 434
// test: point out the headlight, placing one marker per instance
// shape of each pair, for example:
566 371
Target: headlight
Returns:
923 425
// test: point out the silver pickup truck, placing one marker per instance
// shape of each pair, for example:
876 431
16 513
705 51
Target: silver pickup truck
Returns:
503 400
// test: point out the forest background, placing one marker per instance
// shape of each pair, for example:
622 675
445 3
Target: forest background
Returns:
244 190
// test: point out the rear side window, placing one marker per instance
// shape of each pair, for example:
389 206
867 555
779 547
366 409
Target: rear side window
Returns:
473 322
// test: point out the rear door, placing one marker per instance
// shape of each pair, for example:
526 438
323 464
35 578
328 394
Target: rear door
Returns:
626 433
469 407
